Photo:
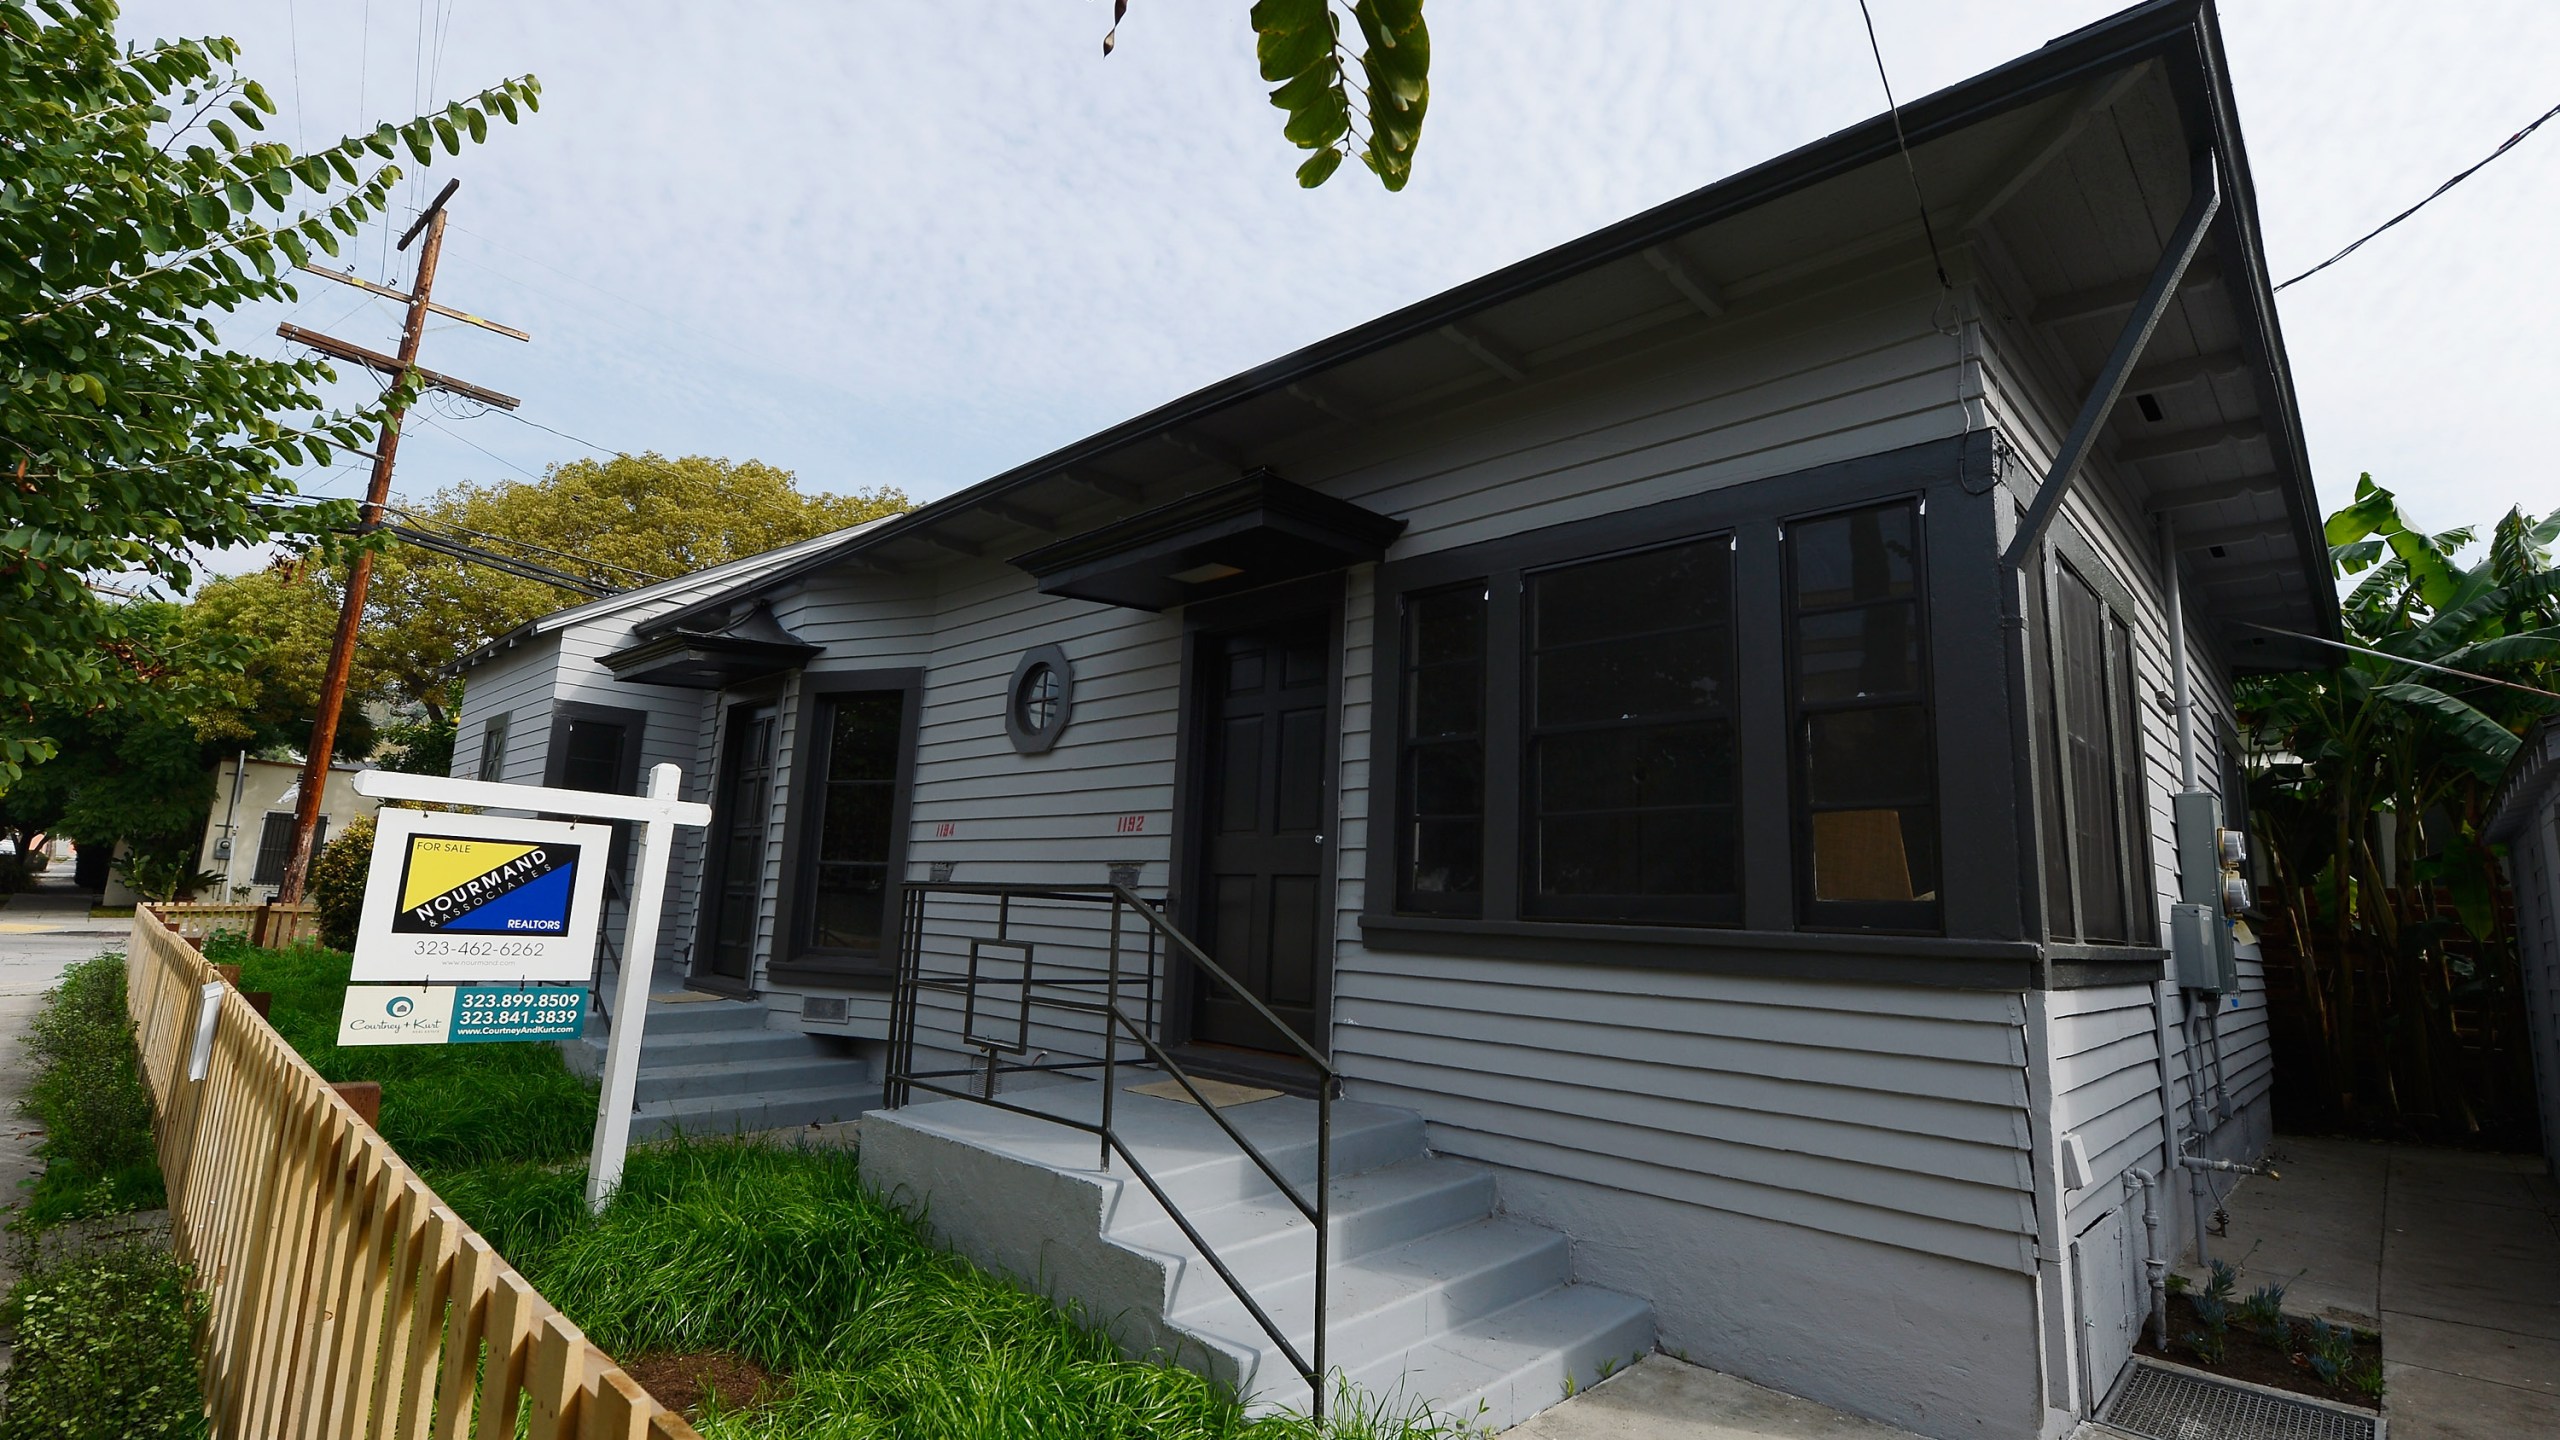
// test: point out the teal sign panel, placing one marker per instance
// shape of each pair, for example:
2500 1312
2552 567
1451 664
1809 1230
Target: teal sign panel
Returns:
517 1012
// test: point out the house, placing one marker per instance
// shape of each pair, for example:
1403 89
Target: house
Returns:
2525 818
248 832
1693 761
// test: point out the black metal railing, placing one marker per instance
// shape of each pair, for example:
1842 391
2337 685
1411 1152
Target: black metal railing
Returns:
1071 991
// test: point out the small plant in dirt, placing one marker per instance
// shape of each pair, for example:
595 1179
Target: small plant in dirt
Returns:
2263 1314
2211 1340
86 1091
105 1350
2366 1380
2332 1349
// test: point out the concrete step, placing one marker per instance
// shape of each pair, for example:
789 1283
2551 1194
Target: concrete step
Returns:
1498 1370
710 1047
761 1110
1390 1300
737 1077
1195 1161
1267 1243
692 1017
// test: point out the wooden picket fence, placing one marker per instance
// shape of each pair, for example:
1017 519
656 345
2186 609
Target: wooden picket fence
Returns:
275 926
345 1299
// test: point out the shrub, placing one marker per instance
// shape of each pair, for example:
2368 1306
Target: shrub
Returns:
2263 1313
335 883
86 1090
105 1350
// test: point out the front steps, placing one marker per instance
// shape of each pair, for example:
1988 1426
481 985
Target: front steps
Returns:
1433 1295
710 1067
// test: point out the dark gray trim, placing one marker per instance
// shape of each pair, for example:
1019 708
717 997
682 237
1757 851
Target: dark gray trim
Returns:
1260 529
790 951
1978 877
634 723
1027 741
1791 954
1207 620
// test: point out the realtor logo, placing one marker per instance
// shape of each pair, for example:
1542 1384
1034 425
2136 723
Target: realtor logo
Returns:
456 885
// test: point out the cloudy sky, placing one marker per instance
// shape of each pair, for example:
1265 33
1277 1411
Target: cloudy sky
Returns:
912 245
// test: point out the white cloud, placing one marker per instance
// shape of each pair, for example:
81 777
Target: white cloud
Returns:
916 244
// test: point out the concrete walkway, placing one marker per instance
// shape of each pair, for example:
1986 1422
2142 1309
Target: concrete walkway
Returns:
2453 1256
1660 1398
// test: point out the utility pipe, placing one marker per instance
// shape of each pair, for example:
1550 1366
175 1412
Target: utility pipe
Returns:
2183 696
2153 1265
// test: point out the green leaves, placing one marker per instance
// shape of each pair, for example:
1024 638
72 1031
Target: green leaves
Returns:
1298 44
130 436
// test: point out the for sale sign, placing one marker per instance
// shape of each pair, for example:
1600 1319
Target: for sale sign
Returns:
459 1014
457 898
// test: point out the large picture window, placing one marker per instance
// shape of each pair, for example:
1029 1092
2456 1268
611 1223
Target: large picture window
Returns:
1629 797
1866 746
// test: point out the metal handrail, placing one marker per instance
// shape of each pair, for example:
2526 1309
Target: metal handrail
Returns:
903 1078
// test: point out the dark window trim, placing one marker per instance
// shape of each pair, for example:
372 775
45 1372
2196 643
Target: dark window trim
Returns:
1863 916
1202 622
1401 836
493 747
2066 546
714 854
555 765
1040 741
1978 783
794 959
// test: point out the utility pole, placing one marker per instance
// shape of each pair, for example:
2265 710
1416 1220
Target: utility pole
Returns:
400 367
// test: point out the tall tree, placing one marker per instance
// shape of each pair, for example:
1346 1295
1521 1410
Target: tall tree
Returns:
2373 783
137 199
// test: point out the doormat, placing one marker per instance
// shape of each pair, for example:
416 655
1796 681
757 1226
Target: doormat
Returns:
1218 1093
685 997
2161 1403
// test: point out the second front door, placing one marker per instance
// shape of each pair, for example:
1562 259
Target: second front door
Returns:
1265 801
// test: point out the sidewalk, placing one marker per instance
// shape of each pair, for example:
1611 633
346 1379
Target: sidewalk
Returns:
54 906
2453 1256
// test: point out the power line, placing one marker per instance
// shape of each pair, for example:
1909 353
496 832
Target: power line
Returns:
2511 142
1903 141
565 435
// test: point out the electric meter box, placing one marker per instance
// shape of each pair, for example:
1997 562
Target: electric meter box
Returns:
2199 934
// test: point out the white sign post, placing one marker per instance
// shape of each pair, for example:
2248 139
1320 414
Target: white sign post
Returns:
658 813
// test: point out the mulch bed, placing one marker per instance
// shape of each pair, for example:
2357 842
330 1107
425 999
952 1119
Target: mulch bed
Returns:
683 1382
2247 1356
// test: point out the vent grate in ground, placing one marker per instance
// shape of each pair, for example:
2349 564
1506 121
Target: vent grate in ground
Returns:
2171 1405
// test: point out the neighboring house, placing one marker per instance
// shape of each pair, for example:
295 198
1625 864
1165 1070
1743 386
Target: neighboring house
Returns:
248 834
1592 707
538 707
2526 819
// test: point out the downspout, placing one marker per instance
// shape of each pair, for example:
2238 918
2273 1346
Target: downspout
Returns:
231 825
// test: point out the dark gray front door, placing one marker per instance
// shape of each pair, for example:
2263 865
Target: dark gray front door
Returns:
1265 802
738 821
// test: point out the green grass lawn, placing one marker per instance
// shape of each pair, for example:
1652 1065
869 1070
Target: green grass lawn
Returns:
773 1253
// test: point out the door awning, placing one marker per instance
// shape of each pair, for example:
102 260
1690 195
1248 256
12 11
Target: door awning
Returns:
1255 531
750 647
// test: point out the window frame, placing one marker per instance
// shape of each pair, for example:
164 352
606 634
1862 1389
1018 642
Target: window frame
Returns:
1404 815
795 960
634 725
1908 917
1985 940
2067 552
493 747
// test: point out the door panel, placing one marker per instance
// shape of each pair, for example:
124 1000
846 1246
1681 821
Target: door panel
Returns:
739 819
1266 803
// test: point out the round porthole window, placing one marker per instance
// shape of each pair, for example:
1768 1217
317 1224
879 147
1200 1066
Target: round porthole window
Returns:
1036 705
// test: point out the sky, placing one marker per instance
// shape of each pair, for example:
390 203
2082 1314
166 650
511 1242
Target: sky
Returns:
913 245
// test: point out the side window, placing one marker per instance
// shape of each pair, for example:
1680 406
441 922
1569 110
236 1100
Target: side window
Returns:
275 846
853 832
1441 764
1866 789
2091 788
493 748
1628 801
